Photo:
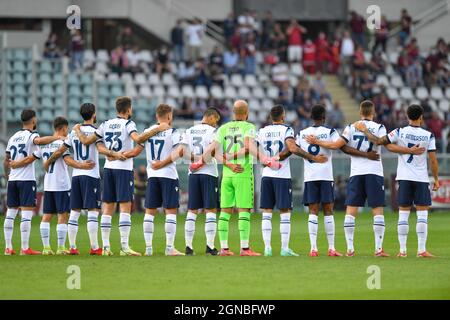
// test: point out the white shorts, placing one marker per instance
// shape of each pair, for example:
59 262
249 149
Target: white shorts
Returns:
295 53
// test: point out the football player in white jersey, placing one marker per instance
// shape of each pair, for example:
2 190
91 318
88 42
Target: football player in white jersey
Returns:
412 175
57 188
118 135
162 184
86 190
21 190
203 183
366 176
276 185
318 178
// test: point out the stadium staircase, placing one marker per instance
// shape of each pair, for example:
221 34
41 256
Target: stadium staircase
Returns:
341 94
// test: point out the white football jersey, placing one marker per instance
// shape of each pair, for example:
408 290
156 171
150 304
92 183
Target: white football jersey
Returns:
57 177
197 138
159 147
20 146
84 153
272 139
356 139
115 134
413 167
314 171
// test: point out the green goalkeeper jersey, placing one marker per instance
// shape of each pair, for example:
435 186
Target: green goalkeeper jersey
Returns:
231 137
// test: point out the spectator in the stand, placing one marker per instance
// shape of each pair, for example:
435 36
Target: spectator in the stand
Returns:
402 64
381 36
231 61
185 111
246 23
236 40
256 27
335 117
377 63
285 95
202 74
177 38
347 48
140 183
335 59
76 50
248 54
443 74
279 43
294 35
405 25
134 60
414 74
119 60
412 49
383 110
427 110
359 59
194 32
309 57
51 49
126 38
304 109
435 124
357 24
319 87
429 77
216 66
366 85
280 74
162 61
186 73
322 52
448 143
223 109
229 27
268 24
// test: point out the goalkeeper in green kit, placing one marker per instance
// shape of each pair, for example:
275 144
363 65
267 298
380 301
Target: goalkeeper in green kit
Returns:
235 141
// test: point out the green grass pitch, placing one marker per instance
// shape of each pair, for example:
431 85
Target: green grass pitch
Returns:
206 277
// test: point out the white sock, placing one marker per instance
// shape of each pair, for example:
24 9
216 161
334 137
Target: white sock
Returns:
422 229
124 229
148 229
105 224
329 230
349 228
25 228
45 233
210 229
72 227
266 226
285 229
171 229
8 226
313 225
189 228
92 228
403 229
378 230
61 231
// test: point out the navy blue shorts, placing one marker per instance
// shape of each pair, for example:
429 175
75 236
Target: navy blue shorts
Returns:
162 192
203 192
56 202
410 192
118 185
86 193
276 193
319 191
21 194
368 187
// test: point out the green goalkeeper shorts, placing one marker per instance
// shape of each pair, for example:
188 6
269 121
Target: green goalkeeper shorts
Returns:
237 192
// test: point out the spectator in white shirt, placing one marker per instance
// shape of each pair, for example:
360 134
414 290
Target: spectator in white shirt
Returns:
194 33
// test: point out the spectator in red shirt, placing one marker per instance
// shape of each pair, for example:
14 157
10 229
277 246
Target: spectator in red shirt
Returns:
309 57
436 125
405 25
236 40
323 52
295 41
357 27
335 59
413 50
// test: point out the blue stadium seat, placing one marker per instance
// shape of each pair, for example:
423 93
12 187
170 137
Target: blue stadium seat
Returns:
74 91
20 103
46 67
57 78
103 91
86 79
47 91
117 90
45 78
74 115
47 103
17 78
72 79
46 115
45 127
74 103
59 89
20 90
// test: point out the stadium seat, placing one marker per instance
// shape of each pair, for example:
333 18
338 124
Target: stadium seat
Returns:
187 91
252 116
267 104
74 91
45 127
244 93
382 80
73 78
112 78
293 80
158 91
422 93
444 105
101 67
258 93
216 92
20 103
173 92
45 78
406 93
262 116
433 105
86 79
236 80
89 56
20 90
396 81
17 78
58 78
436 93
46 66
201 92
117 90
73 115
250 80
47 91
392 93
102 56
296 69
140 78
144 91
393 57
87 90
154 80
390 70
447 92
230 92
272 92
291 116
168 79
254 104
145 56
